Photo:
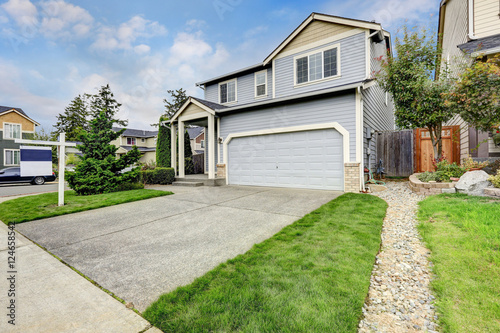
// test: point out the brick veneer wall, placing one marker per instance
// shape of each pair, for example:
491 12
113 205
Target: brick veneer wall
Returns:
351 177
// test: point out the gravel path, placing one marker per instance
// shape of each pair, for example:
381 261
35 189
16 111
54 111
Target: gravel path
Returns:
399 299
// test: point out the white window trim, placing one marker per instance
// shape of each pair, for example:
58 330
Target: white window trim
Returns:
235 91
265 84
322 50
132 144
202 144
20 131
5 156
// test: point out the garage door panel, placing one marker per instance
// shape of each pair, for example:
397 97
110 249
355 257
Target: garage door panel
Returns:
306 159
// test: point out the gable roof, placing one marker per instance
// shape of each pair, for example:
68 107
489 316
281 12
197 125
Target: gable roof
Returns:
325 18
194 132
136 132
205 105
313 17
19 111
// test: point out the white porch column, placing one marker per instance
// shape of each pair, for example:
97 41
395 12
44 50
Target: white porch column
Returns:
173 147
211 147
181 150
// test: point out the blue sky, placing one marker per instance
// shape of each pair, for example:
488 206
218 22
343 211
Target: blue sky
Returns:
53 50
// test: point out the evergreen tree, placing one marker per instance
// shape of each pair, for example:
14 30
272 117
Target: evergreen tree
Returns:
188 155
74 119
163 145
178 98
99 170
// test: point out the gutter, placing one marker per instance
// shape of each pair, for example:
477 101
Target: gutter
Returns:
471 20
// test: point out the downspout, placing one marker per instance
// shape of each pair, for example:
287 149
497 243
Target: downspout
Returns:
360 135
471 20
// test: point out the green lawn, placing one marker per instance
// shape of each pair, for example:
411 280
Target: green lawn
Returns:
44 205
312 276
463 234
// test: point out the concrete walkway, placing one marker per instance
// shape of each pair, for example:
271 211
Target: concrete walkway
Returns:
143 249
51 297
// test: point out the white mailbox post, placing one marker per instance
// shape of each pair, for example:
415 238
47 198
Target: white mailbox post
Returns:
61 144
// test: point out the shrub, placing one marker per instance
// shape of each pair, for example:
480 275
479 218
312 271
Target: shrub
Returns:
448 170
129 186
73 159
148 166
161 176
430 176
495 180
493 167
469 164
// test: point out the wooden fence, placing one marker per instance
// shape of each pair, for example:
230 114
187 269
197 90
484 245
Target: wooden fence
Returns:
199 163
395 149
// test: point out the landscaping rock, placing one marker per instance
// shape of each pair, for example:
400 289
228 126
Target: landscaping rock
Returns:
448 190
473 183
377 188
399 298
492 192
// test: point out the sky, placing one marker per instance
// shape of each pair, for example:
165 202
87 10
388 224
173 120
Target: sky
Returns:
52 51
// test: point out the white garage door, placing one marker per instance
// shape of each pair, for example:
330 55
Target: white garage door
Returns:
309 159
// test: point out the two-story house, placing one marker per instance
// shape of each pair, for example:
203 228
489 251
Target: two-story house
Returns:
304 117
197 139
144 140
468 28
14 124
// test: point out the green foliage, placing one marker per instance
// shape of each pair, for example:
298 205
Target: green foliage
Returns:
178 98
430 176
448 170
99 170
104 101
188 155
493 167
129 186
163 145
476 95
159 175
469 163
74 119
408 77
312 276
73 159
495 180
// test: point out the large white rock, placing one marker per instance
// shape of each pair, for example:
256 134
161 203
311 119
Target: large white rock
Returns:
473 183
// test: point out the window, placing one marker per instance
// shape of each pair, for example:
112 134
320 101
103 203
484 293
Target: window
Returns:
131 141
202 143
143 140
261 84
11 131
317 66
12 157
227 92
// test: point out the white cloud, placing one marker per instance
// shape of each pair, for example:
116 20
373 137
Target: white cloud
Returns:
255 31
195 24
142 49
23 12
124 36
64 20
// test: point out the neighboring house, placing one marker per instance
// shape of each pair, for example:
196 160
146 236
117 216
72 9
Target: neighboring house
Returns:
469 28
14 124
197 138
303 117
144 140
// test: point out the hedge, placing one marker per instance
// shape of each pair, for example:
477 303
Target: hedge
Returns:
158 175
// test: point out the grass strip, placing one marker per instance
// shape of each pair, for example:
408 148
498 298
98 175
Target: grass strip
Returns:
44 205
463 234
312 276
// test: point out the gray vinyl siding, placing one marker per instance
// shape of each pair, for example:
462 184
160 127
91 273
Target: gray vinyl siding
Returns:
352 67
245 86
376 116
339 108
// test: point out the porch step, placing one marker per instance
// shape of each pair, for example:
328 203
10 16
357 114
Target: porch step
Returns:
187 183
206 182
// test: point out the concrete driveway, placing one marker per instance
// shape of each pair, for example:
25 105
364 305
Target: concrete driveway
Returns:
143 249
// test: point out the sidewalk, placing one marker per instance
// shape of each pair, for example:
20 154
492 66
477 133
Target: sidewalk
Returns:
51 297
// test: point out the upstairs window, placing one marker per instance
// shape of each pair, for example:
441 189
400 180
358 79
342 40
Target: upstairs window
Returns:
317 65
11 131
261 84
131 141
227 92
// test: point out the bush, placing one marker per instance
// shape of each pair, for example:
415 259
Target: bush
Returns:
495 180
430 176
469 164
448 170
161 176
493 167
129 186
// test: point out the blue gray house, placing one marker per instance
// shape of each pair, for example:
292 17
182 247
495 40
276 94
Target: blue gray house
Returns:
304 117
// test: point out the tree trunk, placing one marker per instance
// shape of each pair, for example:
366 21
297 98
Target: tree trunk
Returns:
437 142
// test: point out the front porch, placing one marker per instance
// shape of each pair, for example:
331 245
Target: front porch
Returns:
198 180
194 112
